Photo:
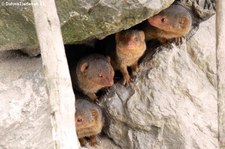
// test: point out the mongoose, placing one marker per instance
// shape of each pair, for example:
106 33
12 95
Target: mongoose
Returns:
130 46
93 73
173 22
89 121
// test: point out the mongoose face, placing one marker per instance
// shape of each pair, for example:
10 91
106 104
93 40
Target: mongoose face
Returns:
88 118
97 70
174 19
130 39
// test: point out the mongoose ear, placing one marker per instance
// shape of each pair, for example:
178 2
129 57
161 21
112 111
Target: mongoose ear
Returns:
108 59
84 67
142 34
182 21
94 113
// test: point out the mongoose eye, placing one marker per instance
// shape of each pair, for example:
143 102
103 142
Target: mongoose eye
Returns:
79 120
163 20
100 75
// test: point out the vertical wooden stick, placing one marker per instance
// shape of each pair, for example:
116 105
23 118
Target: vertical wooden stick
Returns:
56 71
220 36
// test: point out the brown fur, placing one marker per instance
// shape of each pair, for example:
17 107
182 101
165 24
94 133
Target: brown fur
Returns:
89 121
173 22
93 73
130 46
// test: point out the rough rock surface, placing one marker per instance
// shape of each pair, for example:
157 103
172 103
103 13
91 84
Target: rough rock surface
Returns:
173 102
201 10
171 105
24 107
104 143
80 20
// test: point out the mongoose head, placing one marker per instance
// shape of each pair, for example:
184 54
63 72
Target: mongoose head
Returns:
88 118
97 70
174 19
130 39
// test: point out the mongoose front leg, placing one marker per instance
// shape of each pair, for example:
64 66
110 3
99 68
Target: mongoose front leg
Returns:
126 76
134 69
93 140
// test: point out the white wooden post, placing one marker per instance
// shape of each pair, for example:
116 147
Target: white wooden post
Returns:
57 75
220 33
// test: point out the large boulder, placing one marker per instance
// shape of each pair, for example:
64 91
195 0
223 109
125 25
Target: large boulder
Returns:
80 20
173 101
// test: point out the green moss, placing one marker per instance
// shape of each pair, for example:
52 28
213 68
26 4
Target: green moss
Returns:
80 20
15 29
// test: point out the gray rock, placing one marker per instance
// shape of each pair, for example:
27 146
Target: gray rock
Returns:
80 20
24 106
201 10
202 50
173 102
25 111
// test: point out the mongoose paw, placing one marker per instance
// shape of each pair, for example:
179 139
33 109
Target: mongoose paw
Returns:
134 73
126 81
133 78
179 41
93 141
168 45
82 141
106 91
